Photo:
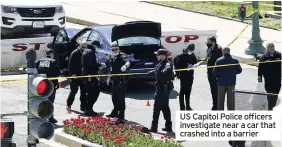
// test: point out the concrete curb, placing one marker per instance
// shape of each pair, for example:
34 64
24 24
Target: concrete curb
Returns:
227 18
80 21
71 141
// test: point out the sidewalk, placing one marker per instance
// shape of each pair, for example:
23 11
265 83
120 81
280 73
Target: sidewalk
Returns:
172 20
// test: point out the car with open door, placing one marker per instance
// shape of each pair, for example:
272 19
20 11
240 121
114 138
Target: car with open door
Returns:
69 39
138 39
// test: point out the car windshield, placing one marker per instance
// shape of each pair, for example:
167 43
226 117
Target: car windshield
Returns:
134 40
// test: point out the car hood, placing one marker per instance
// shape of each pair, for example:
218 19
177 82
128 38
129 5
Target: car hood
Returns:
134 29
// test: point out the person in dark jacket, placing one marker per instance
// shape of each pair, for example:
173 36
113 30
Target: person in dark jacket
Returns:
163 75
271 72
119 63
75 69
214 51
185 60
92 84
50 67
226 78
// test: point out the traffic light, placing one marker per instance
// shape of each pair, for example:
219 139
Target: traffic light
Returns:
242 12
39 107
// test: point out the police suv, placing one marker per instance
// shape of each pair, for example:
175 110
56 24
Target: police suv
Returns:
31 17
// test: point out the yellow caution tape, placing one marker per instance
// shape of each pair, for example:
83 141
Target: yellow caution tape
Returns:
12 68
130 74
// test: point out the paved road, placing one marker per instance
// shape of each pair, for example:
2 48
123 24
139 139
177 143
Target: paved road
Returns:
14 100
172 20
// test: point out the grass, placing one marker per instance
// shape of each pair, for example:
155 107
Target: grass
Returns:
226 9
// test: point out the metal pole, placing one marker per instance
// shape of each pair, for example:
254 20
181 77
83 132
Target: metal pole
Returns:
31 69
255 44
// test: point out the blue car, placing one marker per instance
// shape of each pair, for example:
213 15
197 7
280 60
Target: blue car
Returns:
138 39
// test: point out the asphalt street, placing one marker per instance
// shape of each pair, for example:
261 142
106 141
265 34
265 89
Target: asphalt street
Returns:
14 100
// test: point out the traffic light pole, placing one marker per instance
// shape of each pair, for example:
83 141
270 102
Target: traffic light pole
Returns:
31 69
255 44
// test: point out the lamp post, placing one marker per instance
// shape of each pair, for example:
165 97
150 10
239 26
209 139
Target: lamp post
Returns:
255 44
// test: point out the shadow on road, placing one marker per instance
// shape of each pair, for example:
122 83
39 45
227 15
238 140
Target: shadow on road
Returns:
57 126
145 91
170 134
82 114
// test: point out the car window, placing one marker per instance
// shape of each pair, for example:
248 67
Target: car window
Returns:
83 37
61 37
132 40
93 36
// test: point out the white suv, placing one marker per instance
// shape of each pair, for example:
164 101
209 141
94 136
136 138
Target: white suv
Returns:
31 17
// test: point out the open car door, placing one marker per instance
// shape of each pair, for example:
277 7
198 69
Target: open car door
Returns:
176 41
60 45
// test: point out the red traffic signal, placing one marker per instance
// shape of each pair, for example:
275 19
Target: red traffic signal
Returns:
42 87
242 9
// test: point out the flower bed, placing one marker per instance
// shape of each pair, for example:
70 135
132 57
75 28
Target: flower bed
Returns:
103 131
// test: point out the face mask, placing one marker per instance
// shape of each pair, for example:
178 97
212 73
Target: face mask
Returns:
209 45
115 54
190 53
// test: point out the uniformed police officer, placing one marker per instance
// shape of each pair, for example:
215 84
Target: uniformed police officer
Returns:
163 75
75 69
185 60
119 63
92 84
49 67
271 72
214 51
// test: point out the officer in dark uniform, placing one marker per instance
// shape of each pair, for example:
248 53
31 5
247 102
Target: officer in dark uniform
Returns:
185 60
163 75
75 69
214 51
50 67
92 84
119 63
271 72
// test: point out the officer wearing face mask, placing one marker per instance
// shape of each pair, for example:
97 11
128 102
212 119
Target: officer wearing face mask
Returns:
75 69
90 66
185 60
119 63
50 67
214 51
271 72
163 84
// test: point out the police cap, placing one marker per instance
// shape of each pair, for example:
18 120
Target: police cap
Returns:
161 52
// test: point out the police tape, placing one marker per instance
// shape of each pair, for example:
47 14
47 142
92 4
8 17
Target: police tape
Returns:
13 68
132 74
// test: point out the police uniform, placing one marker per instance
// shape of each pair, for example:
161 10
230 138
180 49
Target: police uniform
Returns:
272 76
119 85
50 67
163 84
92 84
186 77
212 55
76 69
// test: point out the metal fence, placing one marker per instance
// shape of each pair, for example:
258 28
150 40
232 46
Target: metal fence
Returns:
253 100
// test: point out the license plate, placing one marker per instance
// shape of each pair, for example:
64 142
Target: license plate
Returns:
38 24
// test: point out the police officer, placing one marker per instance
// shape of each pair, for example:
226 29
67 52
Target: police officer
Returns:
163 75
271 72
185 60
75 69
119 63
92 84
50 67
214 51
